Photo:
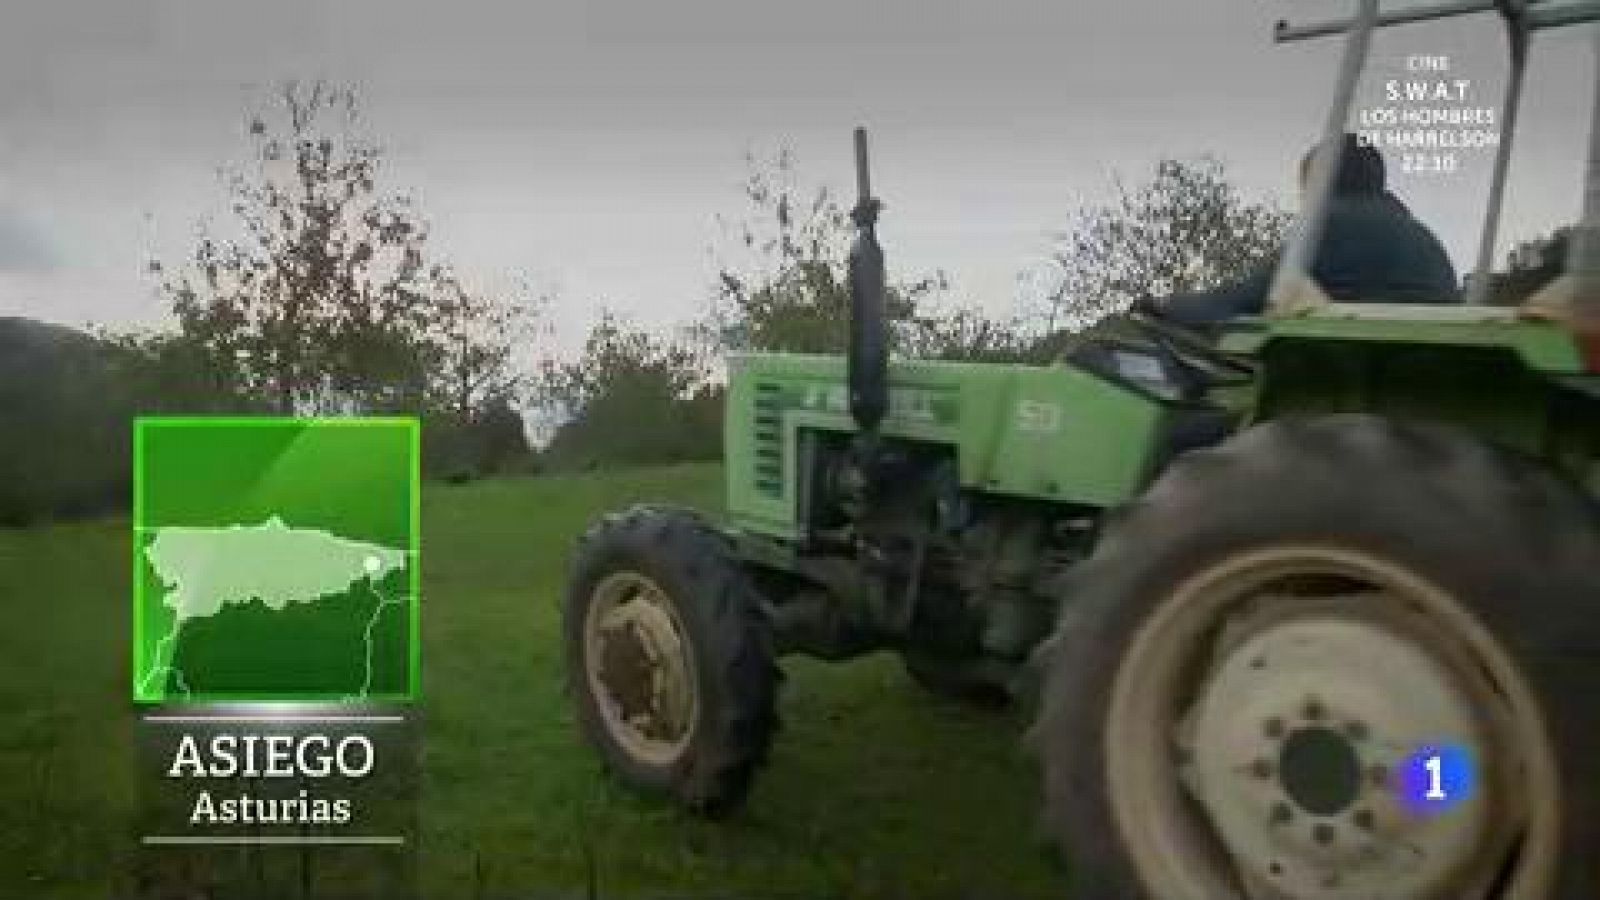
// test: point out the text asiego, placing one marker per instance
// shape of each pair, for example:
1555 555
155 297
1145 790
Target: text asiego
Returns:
312 756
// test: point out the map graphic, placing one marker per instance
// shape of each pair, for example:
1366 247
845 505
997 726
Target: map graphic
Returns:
275 559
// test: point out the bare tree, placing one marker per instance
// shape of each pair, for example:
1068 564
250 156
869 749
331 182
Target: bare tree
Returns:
632 397
319 298
789 292
619 359
1186 229
475 345
964 333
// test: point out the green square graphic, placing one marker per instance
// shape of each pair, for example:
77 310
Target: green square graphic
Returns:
276 560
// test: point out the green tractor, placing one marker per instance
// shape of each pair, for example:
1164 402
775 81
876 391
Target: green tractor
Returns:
1245 582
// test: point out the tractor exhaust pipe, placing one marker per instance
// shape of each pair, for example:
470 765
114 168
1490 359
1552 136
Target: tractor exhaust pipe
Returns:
868 362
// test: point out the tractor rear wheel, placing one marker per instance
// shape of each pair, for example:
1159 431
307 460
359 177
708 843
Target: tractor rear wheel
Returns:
670 657
1255 672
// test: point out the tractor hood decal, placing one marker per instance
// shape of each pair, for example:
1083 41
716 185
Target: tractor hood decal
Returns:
909 404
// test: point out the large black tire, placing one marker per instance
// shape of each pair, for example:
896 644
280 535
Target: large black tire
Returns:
1516 546
726 631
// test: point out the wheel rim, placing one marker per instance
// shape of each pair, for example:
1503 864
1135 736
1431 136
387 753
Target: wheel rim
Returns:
639 668
1259 717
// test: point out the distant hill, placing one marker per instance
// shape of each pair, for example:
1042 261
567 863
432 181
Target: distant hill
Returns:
68 398
63 424
28 345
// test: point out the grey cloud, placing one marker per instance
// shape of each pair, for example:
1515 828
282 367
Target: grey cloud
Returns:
24 247
597 140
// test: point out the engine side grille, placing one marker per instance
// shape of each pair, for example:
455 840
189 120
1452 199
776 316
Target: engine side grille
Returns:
768 468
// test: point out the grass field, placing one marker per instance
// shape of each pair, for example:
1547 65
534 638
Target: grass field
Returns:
874 790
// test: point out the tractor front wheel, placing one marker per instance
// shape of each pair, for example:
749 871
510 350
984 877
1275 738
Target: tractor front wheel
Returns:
1336 658
670 658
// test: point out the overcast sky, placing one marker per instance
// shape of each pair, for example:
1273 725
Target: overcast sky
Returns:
591 145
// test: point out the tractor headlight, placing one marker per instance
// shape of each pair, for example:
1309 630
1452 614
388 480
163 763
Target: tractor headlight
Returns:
1148 371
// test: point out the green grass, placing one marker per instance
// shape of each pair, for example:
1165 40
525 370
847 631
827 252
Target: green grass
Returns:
874 789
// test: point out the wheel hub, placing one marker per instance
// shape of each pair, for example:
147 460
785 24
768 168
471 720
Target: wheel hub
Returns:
1292 746
1320 770
639 668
